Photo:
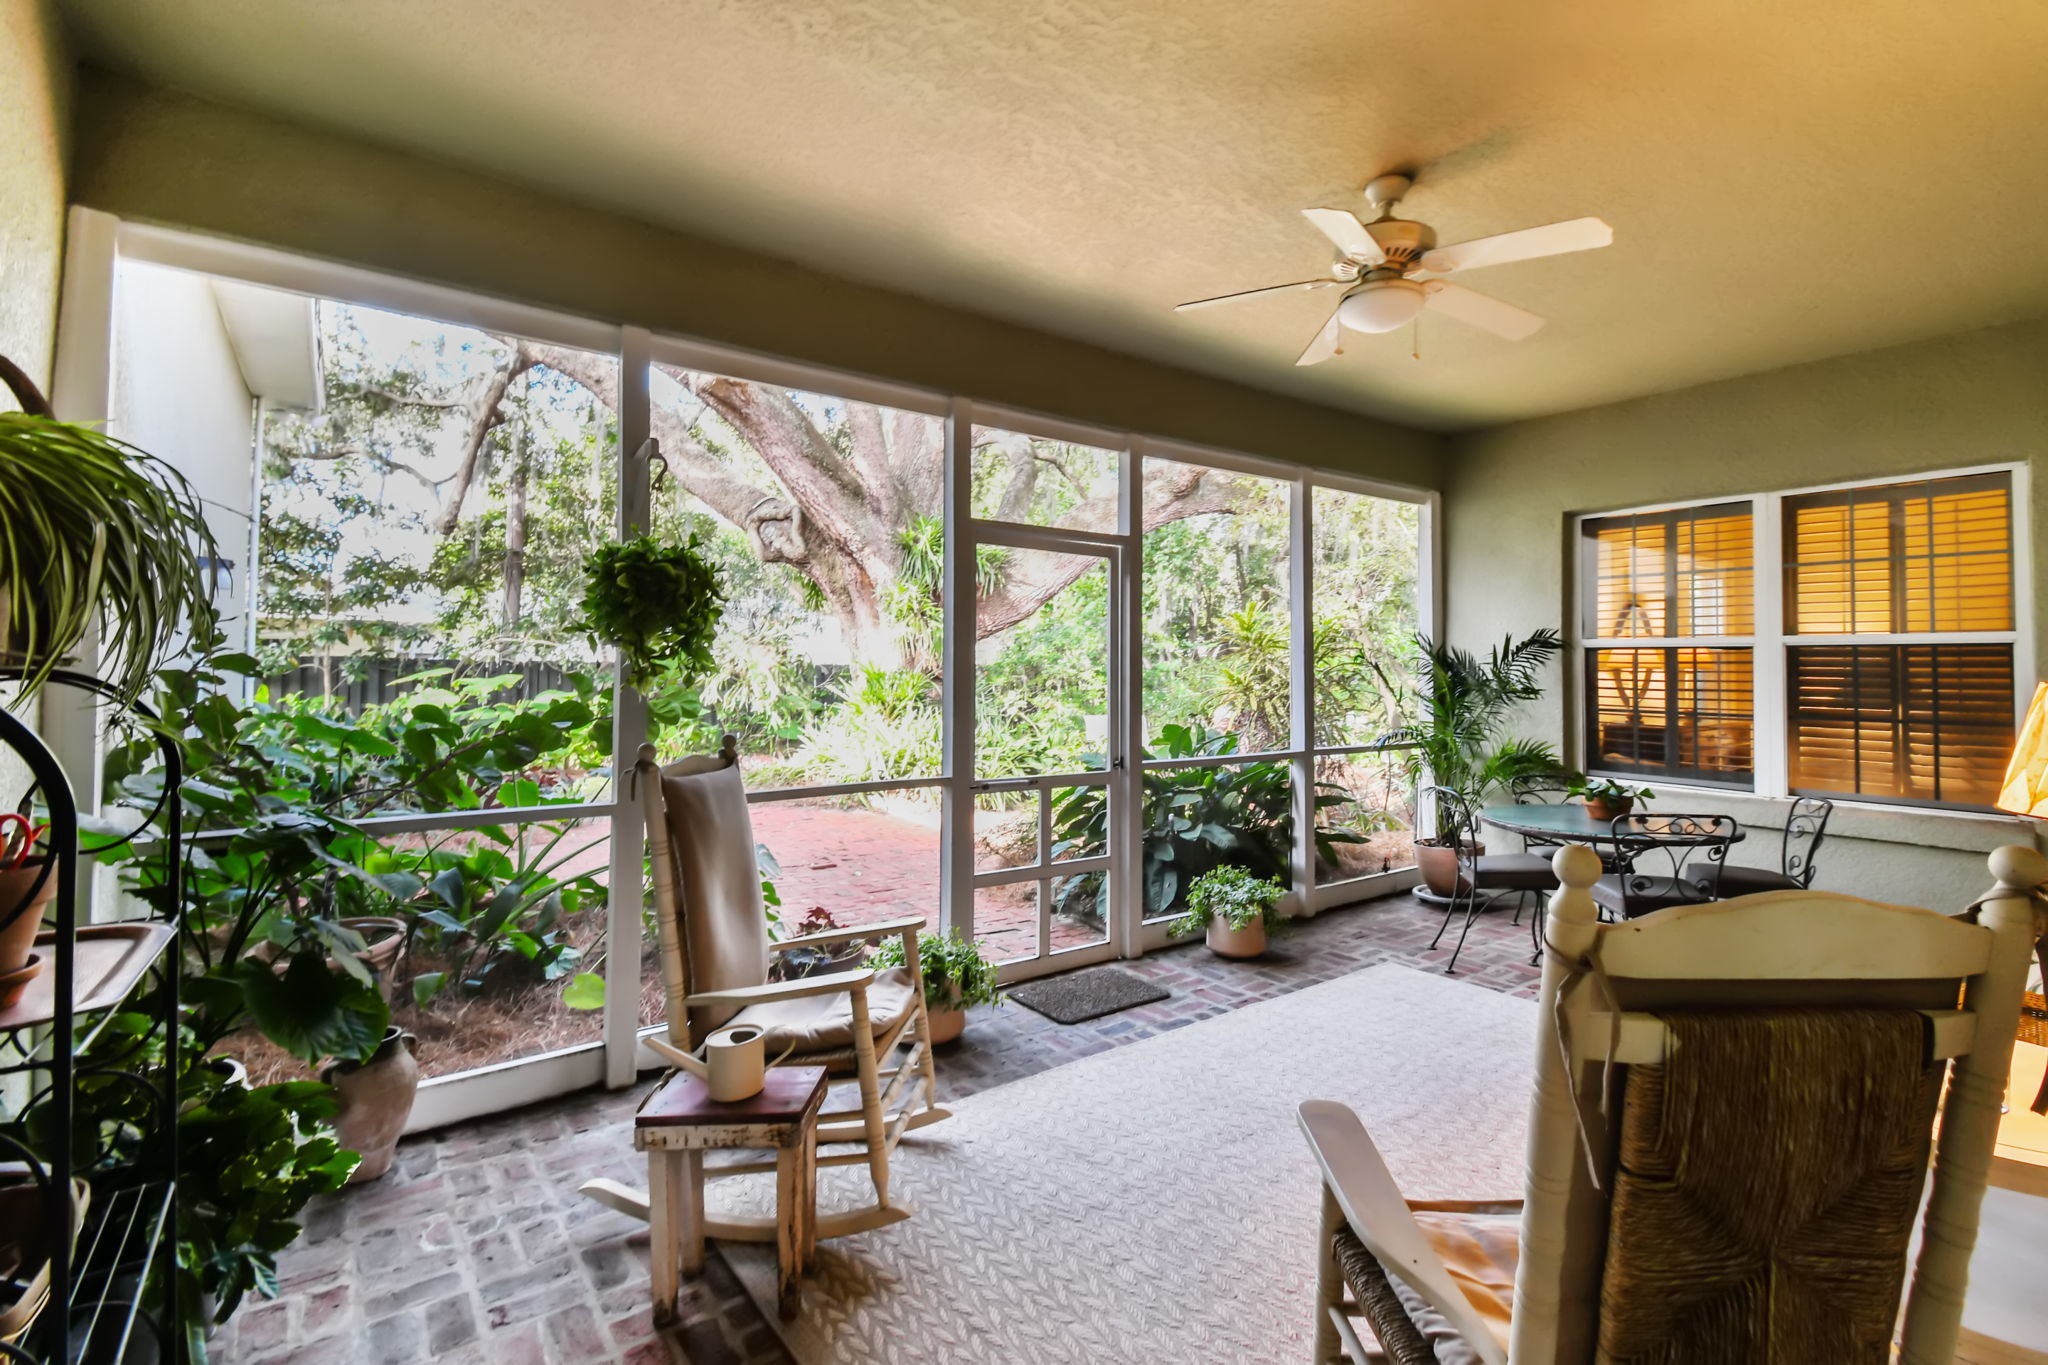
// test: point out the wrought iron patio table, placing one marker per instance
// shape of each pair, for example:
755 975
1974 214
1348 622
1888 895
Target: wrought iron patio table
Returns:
1565 823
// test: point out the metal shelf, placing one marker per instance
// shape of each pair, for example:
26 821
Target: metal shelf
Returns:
107 1286
107 961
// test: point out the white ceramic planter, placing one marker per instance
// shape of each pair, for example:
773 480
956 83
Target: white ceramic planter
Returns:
1225 941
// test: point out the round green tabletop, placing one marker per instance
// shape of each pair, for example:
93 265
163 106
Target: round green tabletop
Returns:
1566 822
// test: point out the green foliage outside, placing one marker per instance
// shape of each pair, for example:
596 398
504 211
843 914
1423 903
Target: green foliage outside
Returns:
1195 819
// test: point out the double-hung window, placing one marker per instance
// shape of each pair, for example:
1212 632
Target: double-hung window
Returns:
1855 642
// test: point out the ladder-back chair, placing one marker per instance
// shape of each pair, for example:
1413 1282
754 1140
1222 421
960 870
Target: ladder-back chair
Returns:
712 938
1771 1065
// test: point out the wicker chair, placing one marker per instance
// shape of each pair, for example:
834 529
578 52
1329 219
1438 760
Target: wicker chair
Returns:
1818 1210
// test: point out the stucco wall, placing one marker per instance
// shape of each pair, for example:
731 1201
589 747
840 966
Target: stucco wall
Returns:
1975 398
156 156
35 104
179 394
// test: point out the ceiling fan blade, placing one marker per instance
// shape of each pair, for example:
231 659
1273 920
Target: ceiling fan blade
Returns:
1555 239
1348 233
1325 345
1480 310
1254 293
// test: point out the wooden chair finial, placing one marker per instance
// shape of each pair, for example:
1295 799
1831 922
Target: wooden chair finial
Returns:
2018 868
1576 865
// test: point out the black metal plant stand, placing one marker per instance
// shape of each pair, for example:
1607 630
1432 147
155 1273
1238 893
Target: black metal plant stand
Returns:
87 1091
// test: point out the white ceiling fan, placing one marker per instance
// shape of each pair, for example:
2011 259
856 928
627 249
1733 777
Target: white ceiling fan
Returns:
1382 261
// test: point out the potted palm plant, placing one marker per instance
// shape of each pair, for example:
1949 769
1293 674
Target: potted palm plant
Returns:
1461 741
956 976
94 532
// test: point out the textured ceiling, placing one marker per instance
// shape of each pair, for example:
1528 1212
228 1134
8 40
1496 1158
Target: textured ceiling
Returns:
1786 180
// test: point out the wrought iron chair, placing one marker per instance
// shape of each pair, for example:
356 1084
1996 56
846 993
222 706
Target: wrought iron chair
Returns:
1804 829
1481 875
1648 847
1645 1238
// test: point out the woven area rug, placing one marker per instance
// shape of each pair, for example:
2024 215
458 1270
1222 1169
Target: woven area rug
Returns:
1080 996
1156 1203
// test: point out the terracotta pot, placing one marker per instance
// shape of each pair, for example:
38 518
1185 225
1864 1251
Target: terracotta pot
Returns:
1607 808
21 897
1225 941
13 984
947 1025
376 1100
1438 864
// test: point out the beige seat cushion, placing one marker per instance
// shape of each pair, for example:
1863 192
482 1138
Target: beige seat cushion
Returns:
820 1023
1480 1250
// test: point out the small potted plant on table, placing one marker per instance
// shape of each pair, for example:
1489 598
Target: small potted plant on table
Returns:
1606 798
956 976
1237 909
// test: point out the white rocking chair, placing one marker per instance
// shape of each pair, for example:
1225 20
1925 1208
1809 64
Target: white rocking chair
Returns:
715 953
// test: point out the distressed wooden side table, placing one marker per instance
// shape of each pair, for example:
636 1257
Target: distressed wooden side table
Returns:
680 1122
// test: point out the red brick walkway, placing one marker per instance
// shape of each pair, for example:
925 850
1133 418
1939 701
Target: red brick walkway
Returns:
476 1249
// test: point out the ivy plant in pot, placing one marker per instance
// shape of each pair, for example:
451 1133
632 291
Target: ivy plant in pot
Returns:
659 603
1461 741
1237 909
1606 798
956 977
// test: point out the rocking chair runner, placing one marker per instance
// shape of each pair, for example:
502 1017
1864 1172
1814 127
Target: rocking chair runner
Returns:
715 953
1770 1230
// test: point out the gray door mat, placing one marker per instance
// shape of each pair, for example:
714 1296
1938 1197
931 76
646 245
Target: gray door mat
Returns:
1081 996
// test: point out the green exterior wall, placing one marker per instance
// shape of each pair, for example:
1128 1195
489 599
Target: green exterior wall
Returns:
35 109
1975 398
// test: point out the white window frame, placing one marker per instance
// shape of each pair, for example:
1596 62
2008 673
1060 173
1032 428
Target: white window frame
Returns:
1768 643
99 242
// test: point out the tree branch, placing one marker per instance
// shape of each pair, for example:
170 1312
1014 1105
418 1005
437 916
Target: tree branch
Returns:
486 414
1036 577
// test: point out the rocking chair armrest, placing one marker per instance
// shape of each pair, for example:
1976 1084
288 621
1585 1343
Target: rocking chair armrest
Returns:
908 924
829 984
1357 1176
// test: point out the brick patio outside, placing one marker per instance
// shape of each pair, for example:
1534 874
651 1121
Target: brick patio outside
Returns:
476 1247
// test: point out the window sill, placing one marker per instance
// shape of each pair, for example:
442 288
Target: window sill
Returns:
1968 831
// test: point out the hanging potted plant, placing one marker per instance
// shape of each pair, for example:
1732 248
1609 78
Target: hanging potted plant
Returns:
1237 909
658 603
94 532
956 978
1466 705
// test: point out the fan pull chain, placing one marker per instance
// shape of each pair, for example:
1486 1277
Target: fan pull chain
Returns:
1415 340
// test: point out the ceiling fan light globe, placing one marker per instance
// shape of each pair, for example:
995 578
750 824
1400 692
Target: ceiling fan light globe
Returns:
1382 306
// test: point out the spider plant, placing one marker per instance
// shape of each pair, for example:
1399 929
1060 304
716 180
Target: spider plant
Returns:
1467 703
95 531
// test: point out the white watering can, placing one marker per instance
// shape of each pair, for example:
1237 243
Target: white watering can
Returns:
735 1061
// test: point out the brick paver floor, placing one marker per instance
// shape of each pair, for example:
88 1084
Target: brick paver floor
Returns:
476 1248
